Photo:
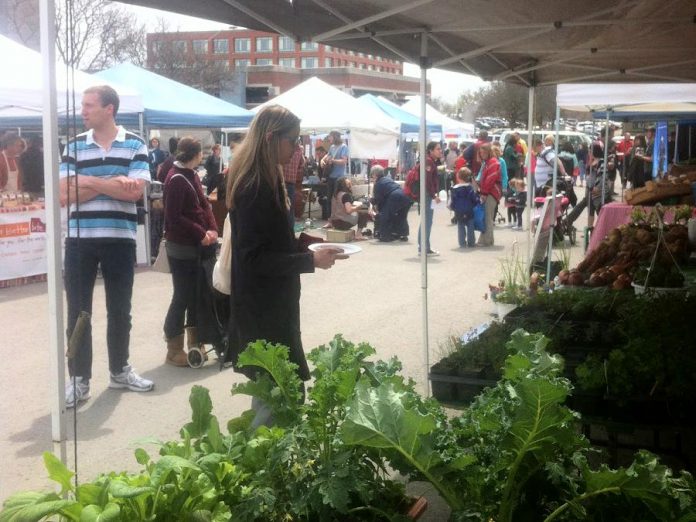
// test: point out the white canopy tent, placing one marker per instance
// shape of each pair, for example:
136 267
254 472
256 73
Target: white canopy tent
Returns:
451 128
323 108
21 92
624 99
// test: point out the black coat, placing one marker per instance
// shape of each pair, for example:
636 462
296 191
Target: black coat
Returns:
393 206
266 268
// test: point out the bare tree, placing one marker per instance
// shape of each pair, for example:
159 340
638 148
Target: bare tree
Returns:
509 101
180 64
94 35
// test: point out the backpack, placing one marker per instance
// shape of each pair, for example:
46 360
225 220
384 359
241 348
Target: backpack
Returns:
412 184
568 164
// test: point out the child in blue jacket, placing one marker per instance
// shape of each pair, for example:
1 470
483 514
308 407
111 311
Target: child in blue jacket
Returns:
464 199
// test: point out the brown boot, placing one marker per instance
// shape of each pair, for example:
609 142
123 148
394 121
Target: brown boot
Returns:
176 355
193 344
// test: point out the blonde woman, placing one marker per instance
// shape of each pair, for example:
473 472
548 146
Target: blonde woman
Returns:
266 262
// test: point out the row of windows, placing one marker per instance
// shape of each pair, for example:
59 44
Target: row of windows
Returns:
264 44
313 62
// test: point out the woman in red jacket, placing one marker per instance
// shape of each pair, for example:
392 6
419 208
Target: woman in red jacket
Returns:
491 191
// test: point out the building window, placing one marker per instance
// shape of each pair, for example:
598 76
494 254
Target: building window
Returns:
242 45
200 46
328 48
351 53
370 67
220 46
241 63
309 63
179 46
309 46
157 46
264 61
287 62
286 44
328 62
264 44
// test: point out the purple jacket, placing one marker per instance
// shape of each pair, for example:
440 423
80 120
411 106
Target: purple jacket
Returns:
187 214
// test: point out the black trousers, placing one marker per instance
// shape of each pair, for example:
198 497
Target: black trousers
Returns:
183 304
117 261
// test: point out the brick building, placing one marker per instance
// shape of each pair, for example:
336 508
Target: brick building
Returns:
263 65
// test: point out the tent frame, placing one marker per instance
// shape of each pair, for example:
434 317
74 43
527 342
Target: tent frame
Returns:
598 18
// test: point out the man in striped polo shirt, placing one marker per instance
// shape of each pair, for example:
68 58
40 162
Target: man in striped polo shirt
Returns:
102 175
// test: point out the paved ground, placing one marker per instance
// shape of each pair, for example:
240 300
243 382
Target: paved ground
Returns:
380 303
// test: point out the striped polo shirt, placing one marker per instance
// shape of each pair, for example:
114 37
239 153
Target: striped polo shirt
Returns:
105 217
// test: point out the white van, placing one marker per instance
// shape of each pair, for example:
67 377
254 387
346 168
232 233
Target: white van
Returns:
574 137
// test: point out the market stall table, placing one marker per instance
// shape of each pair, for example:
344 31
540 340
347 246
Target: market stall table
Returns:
611 216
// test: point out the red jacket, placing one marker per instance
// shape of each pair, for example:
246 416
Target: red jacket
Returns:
491 179
431 182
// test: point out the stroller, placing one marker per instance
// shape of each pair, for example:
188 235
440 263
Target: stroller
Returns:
564 226
212 315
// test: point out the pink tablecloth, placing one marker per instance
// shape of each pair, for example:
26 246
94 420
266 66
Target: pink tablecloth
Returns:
614 215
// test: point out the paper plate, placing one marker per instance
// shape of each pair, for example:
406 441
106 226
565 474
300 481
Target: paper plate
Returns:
347 248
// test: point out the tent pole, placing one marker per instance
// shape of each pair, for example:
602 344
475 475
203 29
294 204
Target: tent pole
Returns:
606 155
422 202
676 143
56 330
690 126
552 221
146 195
530 179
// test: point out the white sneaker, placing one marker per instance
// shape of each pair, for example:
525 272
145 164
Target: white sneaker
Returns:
131 380
77 393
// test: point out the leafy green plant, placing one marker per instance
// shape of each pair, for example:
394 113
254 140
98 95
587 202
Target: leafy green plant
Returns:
515 454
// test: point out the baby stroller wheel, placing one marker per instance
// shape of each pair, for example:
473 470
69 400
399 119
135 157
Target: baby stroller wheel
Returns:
573 235
196 357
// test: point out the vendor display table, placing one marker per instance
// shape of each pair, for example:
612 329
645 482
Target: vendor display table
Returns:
613 215
22 244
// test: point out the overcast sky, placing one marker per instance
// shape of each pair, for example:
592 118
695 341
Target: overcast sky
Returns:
444 84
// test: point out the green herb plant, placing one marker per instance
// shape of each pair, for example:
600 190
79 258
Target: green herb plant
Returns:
514 454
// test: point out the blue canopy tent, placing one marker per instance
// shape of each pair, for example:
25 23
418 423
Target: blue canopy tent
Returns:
173 104
409 122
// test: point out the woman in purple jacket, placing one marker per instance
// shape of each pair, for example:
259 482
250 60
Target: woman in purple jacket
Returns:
191 235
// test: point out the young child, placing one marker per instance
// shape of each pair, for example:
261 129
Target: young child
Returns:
462 202
519 190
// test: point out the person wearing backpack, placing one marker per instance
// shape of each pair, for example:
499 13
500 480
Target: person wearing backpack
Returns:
463 201
471 154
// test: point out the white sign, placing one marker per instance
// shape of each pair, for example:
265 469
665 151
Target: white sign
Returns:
22 244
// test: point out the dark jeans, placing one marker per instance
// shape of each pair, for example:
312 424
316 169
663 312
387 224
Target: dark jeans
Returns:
290 188
428 225
465 232
117 261
183 304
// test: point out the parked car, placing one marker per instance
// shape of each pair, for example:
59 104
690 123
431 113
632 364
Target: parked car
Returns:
574 137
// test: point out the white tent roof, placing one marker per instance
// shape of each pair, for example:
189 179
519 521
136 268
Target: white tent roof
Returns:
450 127
21 91
323 108
648 98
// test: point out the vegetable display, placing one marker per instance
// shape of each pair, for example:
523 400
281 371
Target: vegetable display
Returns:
515 454
617 259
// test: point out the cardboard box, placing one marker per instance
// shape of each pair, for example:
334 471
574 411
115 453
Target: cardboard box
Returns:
340 236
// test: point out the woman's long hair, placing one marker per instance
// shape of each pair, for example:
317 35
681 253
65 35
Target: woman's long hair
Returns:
255 160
